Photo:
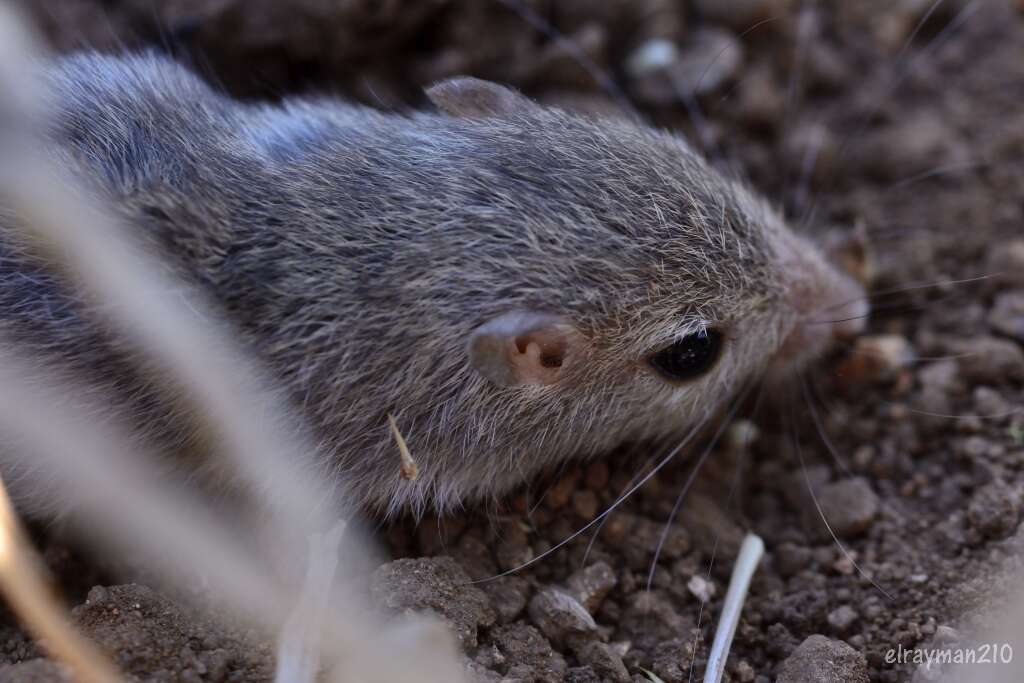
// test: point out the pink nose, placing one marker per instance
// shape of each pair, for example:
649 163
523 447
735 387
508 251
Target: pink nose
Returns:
833 310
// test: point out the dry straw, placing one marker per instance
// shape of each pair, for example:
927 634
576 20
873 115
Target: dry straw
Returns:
126 497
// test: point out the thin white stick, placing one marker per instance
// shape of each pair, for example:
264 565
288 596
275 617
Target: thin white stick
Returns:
299 646
746 563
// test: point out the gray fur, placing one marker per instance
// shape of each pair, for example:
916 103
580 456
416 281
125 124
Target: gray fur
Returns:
355 252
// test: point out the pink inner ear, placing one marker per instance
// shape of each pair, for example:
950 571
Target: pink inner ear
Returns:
538 357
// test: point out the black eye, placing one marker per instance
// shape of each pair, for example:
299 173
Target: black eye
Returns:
689 357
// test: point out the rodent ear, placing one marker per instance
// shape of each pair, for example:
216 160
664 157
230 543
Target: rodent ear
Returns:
475 98
524 348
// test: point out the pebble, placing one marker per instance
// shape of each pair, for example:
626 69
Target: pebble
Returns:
915 144
842 618
994 510
585 504
1007 315
663 72
648 618
513 546
701 588
790 559
760 103
508 595
640 537
604 661
1006 262
560 616
560 493
811 144
877 358
531 654
821 660
744 672
990 360
591 584
849 505
434 585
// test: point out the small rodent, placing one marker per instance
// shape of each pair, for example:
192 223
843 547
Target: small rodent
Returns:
517 285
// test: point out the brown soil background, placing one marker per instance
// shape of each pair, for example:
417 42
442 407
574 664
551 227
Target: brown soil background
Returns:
916 139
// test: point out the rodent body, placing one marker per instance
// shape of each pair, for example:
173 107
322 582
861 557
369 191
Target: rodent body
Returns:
496 274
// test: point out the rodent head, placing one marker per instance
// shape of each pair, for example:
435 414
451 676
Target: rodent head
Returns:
573 284
692 285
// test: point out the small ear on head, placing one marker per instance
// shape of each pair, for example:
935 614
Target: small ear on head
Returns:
522 348
475 98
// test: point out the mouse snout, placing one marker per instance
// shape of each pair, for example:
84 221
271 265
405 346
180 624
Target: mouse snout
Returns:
830 309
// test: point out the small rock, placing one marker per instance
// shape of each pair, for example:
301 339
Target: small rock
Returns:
585 504
943 376
710 526
790 559
35 671
994 510
645 539
821 660
1007 315
842 618
1006 262
560 616
97 595
850 507
701 588
811 145
877 358
508 595
558 496
744 672
591 584
605 662
582 674
434 585
990 360
760 103
530 652
665 73
648 618
513 546
916 144
670 659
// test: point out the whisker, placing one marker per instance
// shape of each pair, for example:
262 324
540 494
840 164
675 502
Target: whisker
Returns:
917 29
733 487
817 505
850 348
600 76
816 419
618 501
682 494
937 171
906 67
928 413
593 537
908 288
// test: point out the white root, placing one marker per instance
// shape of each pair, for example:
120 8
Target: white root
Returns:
743 571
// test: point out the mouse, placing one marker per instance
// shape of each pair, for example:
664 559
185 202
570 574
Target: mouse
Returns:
507 285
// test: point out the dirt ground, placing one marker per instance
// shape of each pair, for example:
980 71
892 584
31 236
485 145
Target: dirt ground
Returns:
904 120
